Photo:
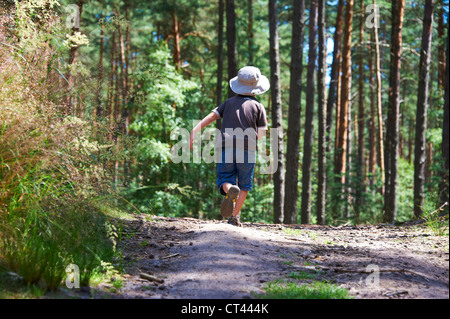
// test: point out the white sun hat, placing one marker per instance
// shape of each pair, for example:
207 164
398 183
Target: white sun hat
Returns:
249 81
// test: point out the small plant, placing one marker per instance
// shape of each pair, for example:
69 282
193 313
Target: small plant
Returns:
436 223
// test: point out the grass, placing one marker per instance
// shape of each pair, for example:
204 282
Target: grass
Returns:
305 275
292 290
437 224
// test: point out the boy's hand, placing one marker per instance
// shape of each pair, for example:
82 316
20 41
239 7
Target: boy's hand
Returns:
205 122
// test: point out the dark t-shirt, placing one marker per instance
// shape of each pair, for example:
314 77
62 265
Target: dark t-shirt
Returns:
242 117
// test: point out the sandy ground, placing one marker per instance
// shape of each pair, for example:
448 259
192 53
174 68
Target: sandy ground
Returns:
195 259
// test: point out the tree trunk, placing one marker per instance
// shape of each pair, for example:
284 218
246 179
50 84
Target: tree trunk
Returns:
250 31
73 53
421 113
341 149
129 81
322 116
219 61
372 125
112 93
391 145
278 176
380 149
294 118
444 189
361 179
98 106
231 43
335 71
124 83
309 116
176 41
441 47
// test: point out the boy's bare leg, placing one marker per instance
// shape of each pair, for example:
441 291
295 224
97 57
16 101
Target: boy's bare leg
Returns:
226 187
239 202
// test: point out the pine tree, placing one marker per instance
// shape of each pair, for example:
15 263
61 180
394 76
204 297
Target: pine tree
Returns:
278 176
391 145
231 42
322 112
309 116
294 115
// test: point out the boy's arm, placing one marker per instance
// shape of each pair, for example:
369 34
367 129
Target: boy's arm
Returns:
261 133
211 117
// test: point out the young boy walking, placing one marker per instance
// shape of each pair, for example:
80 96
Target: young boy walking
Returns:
244 121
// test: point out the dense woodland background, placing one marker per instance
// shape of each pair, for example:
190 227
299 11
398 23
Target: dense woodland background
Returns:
87 107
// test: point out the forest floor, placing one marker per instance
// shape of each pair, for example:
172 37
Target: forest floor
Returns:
187 258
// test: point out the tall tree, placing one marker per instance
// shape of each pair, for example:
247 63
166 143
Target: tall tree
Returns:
231 42
322 116
391 144
422 106
342 137
293 131
278 176
309 116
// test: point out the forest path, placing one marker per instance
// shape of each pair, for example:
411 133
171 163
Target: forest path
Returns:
189 259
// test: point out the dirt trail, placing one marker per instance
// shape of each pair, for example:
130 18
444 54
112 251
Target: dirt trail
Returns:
213 260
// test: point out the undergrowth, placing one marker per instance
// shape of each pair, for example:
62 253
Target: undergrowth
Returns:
55 170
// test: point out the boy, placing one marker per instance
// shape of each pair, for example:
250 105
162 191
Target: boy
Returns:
244 121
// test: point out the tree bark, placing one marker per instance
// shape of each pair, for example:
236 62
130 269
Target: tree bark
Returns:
391 145
322 116
278 176
294 116
309 116
231 42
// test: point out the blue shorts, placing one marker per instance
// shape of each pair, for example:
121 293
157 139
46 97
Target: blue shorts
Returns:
237 167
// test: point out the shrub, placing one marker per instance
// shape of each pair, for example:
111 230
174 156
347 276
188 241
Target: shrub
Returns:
53 169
